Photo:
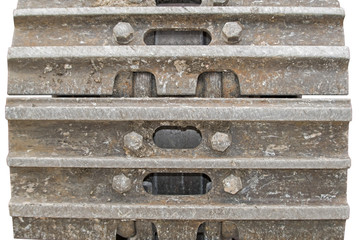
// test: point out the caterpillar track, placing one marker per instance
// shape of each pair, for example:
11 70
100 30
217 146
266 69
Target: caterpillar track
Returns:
178 120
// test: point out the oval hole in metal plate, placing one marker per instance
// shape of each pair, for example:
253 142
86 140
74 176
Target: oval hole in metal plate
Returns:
177 184
178 2
177 37
177 137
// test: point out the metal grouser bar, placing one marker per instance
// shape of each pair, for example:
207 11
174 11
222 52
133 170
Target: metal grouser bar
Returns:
178 119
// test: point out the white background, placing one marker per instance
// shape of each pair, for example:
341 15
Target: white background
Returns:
352 40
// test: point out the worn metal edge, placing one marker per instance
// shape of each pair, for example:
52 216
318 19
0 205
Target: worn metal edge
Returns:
178 163
161 109
23 208
228 11
321 52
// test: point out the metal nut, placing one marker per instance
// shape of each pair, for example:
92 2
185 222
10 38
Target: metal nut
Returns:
121 183
232 32
220 141
220 2
123 32
232 184
133 141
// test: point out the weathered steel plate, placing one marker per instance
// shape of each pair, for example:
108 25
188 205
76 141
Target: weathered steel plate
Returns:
260 70
125 3
20 208
259 188
19 160
213 163
47 228
76 155
260 26
258 128
177 109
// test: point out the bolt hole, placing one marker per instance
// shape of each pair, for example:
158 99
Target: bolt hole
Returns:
177 184
177 137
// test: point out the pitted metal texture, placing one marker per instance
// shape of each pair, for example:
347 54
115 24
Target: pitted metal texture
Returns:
178 119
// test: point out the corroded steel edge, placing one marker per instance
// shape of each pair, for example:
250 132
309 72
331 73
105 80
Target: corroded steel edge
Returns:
179 163
94 229
210 52
113 109
85 11
144 3
19 208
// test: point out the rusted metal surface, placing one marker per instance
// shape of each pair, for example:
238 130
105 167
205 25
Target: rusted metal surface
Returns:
177 213
137 3
260 70
243 109
44 228
80 61
178 120
261 26
253 177
180 163
265 130
60 139
260 187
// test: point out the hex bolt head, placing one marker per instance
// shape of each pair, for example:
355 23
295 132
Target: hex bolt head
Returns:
232 32
121 183
220 2
133 141
232 184
220 141
123 32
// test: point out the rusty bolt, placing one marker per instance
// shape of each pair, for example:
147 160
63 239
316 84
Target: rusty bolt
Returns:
133 141
220 141
232 184
220 2
121 183
232 32
123 32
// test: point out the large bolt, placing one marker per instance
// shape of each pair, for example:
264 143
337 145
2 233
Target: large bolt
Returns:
123 32
232 184
220 141
220 2
121 183
232 32
133 141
